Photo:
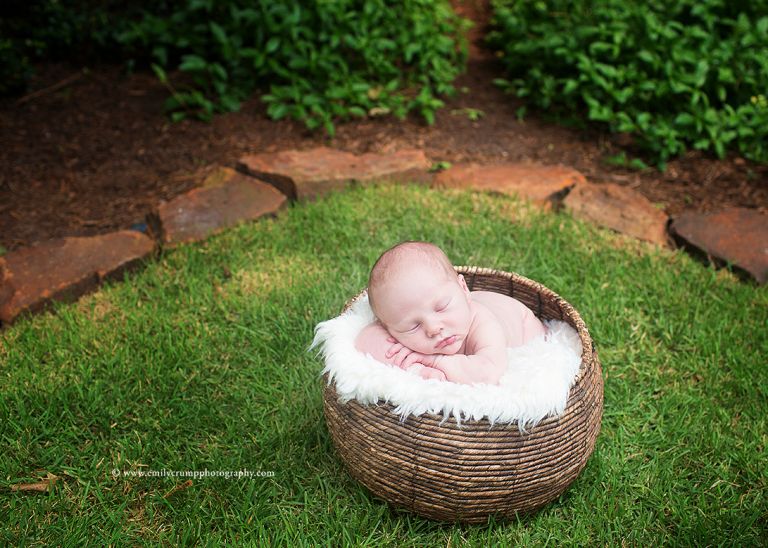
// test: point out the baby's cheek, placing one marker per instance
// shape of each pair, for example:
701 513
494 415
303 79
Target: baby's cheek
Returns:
413 343
401 340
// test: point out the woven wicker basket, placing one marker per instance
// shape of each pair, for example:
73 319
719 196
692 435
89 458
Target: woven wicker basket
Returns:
469 472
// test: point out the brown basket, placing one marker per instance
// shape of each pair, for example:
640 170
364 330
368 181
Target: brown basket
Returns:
444 471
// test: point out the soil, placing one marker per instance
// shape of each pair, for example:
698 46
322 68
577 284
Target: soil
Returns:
88 151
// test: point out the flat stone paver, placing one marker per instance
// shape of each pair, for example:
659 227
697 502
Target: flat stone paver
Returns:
618 208
538 183
65 268
307 174
736 235
225 199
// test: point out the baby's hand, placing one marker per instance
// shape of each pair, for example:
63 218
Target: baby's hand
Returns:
427 360
404 357
427 372
397 353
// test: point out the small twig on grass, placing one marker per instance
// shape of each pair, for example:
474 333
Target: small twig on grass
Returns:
39 487
58 85
179 487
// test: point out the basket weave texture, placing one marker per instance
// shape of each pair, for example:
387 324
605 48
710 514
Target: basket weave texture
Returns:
441 470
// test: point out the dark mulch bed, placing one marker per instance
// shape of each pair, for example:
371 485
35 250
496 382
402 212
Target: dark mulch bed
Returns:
97 154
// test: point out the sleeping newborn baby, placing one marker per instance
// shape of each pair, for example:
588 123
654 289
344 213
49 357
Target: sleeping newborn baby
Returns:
431 324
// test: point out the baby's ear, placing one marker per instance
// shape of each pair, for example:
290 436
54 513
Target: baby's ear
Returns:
463 283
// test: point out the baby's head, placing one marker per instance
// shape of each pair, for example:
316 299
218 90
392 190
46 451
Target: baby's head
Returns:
417 295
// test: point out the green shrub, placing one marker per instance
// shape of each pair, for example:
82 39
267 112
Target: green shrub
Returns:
690 73
321 61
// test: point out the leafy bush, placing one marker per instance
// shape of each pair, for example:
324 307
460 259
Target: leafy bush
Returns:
675 74
320 60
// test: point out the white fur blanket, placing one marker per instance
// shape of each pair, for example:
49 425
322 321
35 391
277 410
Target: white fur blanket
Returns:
535 385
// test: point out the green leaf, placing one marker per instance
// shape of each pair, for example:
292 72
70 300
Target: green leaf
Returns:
701 144
160 73
570 86
218 32
218 71
646 56
685 119
229 103
161 54
440 166
310 100
191 63
273 44
410 51
276 111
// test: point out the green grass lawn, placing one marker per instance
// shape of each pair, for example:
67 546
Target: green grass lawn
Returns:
199 361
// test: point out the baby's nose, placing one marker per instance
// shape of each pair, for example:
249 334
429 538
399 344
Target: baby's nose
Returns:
433 330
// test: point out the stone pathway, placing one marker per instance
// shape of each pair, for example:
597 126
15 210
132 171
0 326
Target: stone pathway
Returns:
736 235
66 268
543 185
225 199
619 208
307 174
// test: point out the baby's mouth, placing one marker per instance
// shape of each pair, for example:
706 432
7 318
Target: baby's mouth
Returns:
448 341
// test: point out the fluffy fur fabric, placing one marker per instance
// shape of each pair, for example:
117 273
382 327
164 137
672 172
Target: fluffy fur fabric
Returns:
535 385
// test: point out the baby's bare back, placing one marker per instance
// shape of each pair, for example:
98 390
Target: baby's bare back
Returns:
520 325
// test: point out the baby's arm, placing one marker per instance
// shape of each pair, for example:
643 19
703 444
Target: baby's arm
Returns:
375 340
486 365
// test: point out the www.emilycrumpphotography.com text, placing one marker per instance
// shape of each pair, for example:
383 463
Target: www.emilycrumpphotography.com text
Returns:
193 474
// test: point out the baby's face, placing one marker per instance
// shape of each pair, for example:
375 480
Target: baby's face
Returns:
425 309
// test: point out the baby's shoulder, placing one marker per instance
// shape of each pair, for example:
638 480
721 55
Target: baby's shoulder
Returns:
484 316
509 311
495 301
486 326
517 320
483 308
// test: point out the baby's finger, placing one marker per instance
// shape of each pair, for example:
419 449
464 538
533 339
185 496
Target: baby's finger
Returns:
402 357
411 359
392 355
398 357
394 349
391 339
